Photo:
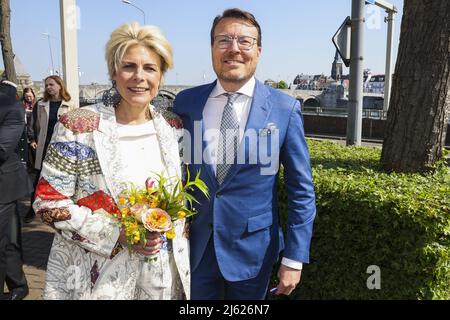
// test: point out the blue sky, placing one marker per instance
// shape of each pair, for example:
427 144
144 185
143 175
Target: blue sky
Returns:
296 35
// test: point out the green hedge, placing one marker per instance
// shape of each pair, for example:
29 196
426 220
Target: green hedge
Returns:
365 217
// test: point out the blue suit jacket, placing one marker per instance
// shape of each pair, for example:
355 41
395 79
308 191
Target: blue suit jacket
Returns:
242 213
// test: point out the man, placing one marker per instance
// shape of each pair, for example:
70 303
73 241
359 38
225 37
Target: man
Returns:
14 184
235 237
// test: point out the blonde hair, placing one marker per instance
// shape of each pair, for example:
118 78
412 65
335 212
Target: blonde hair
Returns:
131 34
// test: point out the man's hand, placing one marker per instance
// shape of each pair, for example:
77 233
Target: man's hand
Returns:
33 145
153 245
289 279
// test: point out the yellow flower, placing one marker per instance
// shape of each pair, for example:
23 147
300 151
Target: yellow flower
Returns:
125 212
154 203
181 214
170 234
140 198
122 201
132 200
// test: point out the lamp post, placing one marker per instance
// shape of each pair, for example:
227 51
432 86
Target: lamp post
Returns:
133 5
46 34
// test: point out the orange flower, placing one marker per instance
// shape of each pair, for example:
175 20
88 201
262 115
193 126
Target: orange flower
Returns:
157 220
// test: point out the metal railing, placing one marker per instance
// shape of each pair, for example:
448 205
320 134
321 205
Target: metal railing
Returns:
342 112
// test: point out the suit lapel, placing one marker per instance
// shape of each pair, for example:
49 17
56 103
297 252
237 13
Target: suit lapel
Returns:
197 117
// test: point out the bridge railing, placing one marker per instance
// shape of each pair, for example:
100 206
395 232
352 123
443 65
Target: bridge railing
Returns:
342 112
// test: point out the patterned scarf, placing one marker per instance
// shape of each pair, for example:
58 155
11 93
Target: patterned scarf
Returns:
28 106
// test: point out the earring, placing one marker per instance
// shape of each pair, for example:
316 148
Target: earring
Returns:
111 97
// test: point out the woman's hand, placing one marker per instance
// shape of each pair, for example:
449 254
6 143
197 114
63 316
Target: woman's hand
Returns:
153 245
33 145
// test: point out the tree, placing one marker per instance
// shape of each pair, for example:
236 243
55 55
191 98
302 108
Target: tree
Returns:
418 112
5 40
282 85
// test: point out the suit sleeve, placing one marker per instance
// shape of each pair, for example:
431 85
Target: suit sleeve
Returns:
11 130
300 189
95 231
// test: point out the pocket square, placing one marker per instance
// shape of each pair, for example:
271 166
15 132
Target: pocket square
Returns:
268 130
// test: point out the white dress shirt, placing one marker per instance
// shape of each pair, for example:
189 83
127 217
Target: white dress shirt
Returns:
140 152
212 118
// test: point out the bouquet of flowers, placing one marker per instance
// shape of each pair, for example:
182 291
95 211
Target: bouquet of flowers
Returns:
157 206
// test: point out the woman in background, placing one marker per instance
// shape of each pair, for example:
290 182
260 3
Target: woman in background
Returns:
56 102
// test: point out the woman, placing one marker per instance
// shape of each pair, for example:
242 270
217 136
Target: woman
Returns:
96 151
29 101
55 103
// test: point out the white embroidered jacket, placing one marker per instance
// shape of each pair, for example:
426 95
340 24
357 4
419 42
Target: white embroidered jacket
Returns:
81 177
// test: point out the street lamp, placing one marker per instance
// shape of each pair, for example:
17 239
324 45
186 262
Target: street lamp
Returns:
46 34
131 4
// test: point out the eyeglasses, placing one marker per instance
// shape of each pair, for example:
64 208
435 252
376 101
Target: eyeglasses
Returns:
225 41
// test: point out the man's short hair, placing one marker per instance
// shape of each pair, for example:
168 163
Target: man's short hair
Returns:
237 14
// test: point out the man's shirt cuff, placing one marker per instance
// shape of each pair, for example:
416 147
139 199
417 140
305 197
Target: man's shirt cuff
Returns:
292 264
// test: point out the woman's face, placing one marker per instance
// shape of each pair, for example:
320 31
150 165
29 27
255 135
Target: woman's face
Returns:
28 96
52 88
138 77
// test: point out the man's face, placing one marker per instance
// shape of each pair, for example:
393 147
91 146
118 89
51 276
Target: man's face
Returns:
235 65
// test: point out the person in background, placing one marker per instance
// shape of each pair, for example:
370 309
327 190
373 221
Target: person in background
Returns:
29 102
14 184
55 103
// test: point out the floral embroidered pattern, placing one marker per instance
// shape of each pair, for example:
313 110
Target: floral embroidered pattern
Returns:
45 191
80 121
50 216
94 274
116 250
99 200
61 183
73 150
72 166
172 119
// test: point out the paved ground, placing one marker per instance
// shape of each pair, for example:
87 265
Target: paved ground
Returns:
36 242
